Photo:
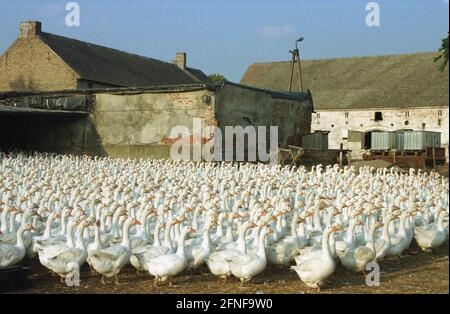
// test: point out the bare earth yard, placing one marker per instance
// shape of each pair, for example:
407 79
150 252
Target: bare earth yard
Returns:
416 272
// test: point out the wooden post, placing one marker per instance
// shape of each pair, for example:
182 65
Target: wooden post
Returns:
349 159
341 147
434 158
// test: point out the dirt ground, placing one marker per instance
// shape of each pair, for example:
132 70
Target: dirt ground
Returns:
416 272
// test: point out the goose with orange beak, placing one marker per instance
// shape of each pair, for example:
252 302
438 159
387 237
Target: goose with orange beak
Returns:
164 267
110 261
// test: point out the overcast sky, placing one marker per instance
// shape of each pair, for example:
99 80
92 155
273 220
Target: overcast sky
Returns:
226 36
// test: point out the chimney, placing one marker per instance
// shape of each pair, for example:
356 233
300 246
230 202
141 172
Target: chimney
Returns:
180 61
30 29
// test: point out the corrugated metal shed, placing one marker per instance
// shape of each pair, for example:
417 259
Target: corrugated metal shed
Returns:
382 140
317 140
419 140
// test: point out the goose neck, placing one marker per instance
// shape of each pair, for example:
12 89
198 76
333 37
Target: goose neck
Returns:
20 237
48 227
326 250
80 241
126 234
181 244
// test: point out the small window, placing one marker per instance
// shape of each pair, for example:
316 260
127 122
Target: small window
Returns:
392 124
407 113
378 116
332 125
406 122
439 122
346 114
440 113
318 115
423 126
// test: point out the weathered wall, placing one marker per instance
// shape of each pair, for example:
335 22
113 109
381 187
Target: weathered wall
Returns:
240 106
337 122
29 64
139 125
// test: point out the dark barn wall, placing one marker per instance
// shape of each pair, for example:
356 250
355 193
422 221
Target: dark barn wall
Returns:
49 133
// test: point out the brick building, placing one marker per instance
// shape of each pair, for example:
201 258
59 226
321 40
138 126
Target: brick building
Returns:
40 61
68 96
355 96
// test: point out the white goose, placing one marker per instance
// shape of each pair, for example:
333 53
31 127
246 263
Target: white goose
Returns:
63 262
313 271
111 260
13 254
284 251
164 267
431 236
356 258
246 266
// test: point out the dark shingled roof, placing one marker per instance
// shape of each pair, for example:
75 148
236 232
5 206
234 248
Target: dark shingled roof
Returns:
110 66
393 81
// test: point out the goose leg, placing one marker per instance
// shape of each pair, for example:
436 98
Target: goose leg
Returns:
103 280
116 279
155 282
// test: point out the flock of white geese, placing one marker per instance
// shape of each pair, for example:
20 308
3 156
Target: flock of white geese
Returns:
164 217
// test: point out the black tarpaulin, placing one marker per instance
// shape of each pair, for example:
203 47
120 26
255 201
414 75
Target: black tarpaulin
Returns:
67 103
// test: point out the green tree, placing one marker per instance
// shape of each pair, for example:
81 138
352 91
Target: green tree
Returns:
444 54
217 78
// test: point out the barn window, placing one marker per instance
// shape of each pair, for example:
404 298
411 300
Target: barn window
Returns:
440 113
423 126
378 116
332 125
407 113
439 122
318 115
346 114
406 122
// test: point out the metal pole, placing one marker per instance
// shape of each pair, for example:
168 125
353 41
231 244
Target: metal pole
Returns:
292 70
300 70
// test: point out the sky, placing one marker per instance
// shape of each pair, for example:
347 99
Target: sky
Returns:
226 36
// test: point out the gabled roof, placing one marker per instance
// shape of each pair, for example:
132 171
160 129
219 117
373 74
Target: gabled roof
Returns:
393 81
110 66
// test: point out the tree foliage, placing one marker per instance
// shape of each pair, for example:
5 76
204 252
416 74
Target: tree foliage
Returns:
444 54
217 78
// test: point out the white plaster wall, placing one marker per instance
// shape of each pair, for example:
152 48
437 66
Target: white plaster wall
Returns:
393 119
